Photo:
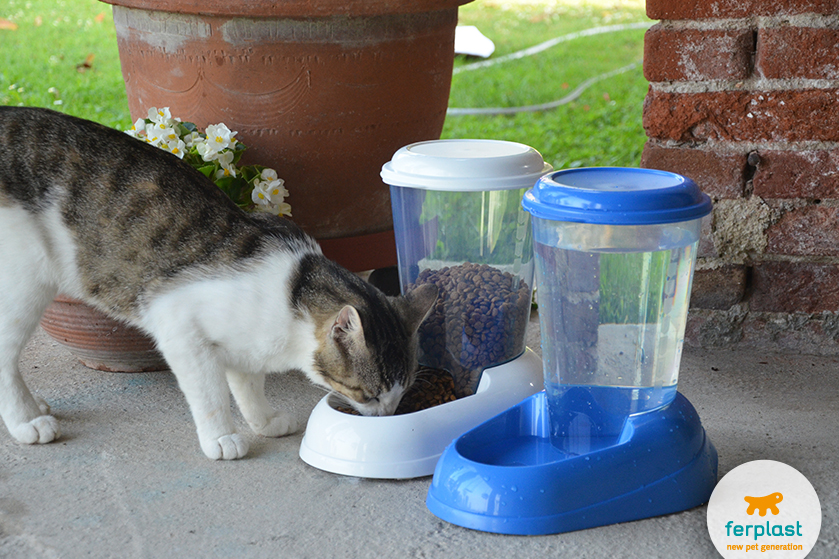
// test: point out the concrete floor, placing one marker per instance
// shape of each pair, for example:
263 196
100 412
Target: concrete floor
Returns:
128 480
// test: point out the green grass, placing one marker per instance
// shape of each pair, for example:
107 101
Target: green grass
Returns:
41 64
42 61
602 127
631 286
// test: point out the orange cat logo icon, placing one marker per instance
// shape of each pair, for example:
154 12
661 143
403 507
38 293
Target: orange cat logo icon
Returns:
762 504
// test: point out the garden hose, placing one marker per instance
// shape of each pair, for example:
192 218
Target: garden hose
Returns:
454 111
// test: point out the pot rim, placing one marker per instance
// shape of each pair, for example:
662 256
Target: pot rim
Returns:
291 8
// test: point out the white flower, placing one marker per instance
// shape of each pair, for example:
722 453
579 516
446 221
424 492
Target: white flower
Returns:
192 139
152 134
227 167
272 185
268 174
269 194
175 146
272 191
156 115
138 129
218 143
206 151
284 209
274 209
168 135
220 137
161 117
259 196
277 194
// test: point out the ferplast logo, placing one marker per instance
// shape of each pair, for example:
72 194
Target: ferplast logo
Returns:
764 507
762 504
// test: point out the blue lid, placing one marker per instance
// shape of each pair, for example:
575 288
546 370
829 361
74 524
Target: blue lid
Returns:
616 196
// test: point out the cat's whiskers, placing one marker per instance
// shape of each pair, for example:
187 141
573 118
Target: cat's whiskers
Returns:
342 399
323 388
423 375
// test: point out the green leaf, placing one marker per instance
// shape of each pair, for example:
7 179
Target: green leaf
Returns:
207 170
236 188
250 172
189 127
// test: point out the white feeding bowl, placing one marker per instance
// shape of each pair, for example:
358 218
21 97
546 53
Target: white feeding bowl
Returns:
408 446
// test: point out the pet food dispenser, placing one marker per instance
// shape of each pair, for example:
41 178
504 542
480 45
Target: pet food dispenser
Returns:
458 223
610 439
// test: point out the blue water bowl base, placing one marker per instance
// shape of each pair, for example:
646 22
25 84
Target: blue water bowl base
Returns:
505 476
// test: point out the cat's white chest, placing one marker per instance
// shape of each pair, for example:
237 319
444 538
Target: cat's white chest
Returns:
244 320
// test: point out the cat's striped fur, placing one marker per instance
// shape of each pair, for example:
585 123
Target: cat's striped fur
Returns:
228 296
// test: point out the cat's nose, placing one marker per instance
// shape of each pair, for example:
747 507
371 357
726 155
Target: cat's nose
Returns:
378 407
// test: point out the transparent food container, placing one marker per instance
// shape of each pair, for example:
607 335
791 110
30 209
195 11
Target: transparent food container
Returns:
459 224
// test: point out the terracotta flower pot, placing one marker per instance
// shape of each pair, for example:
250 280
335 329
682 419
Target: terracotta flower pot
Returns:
99 341
324 91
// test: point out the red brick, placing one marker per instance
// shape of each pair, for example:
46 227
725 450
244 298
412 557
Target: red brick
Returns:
797 174
795 287
718 174
713 328
708 9
807 231
785 115
707 247
768 332
790 333
697 54
718 288
798 52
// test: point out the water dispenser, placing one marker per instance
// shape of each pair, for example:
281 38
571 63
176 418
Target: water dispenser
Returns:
609 439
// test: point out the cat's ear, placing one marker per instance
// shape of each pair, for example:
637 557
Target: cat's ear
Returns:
417 305
347 326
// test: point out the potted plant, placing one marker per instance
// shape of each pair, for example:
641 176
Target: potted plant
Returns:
324 91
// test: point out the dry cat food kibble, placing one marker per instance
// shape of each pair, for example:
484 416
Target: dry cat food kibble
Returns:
478 321
344 409
431 388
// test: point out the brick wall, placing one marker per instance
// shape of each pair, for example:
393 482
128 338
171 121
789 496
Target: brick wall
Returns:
744 99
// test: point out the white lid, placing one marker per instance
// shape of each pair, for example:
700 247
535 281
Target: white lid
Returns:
465 165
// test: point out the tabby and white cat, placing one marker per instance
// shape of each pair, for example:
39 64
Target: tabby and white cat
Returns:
226 295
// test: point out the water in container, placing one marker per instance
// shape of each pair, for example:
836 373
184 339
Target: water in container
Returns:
613 294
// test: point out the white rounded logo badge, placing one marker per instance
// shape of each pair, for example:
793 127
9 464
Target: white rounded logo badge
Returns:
764 509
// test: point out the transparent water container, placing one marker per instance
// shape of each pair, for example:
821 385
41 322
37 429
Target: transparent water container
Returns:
615 251
459 224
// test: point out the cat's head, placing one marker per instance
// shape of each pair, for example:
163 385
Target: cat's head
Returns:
368 352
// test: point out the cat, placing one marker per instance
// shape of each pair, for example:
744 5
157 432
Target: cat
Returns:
227 296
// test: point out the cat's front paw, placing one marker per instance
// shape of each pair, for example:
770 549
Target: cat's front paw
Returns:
42 429
278 425
227 447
